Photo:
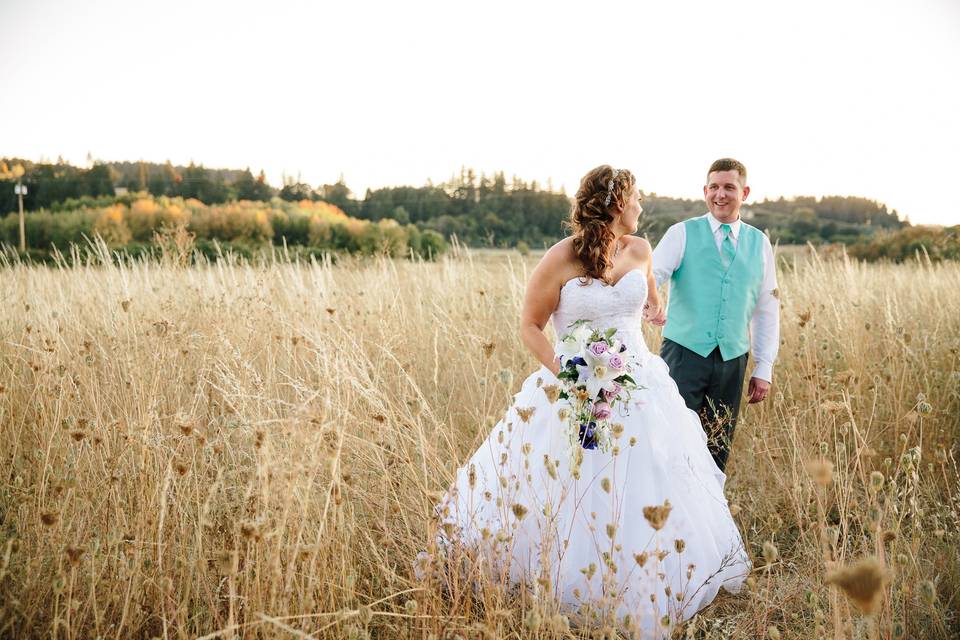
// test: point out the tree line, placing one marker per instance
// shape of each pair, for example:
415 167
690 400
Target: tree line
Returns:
479 209
140 224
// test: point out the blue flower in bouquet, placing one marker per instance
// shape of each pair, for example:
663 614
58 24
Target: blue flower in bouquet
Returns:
595 375
588 435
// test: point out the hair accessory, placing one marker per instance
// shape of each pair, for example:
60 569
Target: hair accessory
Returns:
606 201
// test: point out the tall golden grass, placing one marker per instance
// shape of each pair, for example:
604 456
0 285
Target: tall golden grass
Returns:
235 450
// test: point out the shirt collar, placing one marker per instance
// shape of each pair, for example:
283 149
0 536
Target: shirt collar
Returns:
715 224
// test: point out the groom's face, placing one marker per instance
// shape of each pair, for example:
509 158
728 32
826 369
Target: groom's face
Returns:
724 193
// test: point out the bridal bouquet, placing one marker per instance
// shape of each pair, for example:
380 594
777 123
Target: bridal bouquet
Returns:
595 376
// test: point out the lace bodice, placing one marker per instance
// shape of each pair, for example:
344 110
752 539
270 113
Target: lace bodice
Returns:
617 306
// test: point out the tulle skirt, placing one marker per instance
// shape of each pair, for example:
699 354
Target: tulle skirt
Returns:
641 532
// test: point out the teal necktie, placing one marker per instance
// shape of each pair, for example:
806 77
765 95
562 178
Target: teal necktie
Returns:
727 250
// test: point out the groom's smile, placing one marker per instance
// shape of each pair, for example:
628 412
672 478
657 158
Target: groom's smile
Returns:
724 193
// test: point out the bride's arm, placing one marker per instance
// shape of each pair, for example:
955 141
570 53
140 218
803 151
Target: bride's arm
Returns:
539 301
652 307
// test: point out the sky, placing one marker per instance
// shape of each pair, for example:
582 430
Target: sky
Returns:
824 97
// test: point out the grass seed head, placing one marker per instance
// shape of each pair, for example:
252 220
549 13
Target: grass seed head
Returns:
770 552
552 392
532 621
488 348
250 531
226 562
550 467
862 582
657 515
365 615
74 554
519 511
822 472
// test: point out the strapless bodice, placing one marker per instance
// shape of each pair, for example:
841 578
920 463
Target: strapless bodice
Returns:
604 306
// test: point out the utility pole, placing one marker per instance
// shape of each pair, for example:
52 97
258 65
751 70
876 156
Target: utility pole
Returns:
16 173
21 190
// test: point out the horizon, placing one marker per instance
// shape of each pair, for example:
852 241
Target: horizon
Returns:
855 99
541 185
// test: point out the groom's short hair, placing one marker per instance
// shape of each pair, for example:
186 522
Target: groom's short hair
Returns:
729 164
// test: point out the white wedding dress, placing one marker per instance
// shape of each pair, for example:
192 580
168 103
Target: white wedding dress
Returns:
519 514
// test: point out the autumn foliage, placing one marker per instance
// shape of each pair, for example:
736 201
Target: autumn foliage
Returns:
241 225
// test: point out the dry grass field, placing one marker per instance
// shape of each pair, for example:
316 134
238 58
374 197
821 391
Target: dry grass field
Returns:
233 450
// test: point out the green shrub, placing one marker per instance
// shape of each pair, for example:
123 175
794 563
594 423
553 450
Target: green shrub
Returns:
939 243
243 227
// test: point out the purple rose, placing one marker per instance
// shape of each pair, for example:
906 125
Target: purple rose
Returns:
612 392
615 362
598 348
601 411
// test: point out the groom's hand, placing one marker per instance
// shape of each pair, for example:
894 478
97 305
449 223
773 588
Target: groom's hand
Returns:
660 318
757 390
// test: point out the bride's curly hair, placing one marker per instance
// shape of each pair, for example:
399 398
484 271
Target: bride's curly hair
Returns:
592 216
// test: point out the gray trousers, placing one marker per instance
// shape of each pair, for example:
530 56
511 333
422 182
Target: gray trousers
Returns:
712 388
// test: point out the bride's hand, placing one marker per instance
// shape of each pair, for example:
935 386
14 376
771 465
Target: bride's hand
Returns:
555 366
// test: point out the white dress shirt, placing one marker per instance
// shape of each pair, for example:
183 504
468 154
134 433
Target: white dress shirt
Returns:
765 321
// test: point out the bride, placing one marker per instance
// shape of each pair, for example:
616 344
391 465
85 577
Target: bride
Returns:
639 535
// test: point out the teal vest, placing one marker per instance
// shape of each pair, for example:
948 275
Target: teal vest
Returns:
711 306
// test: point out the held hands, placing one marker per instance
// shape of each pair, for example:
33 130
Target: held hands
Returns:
656 315
757 390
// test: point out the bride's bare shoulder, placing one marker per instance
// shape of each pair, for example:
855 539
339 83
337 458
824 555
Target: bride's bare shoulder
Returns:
562 250
639 247
560 261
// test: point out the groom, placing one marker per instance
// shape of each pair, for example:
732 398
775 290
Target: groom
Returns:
722 302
